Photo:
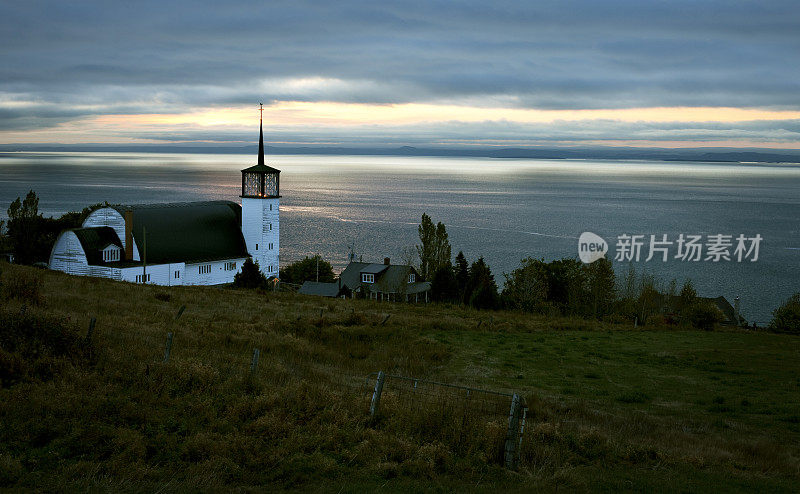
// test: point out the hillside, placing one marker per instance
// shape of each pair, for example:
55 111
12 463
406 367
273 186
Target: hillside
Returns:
611 407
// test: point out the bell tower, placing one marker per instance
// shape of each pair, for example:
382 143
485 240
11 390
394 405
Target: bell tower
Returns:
260 210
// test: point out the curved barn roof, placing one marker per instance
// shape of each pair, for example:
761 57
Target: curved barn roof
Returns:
188 231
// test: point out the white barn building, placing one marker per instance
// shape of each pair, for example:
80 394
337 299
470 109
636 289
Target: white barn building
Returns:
193 243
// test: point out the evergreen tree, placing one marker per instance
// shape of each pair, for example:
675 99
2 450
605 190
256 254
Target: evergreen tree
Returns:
481 287
461 272
250 276
444 287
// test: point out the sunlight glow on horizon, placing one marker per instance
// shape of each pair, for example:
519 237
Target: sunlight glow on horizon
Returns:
332 117
308 113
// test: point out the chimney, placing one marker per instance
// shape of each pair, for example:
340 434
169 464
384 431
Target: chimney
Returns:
129 235
386 261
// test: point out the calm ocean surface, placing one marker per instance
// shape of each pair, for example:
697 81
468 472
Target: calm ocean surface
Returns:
501 209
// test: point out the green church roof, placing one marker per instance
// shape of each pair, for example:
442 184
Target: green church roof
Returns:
188 232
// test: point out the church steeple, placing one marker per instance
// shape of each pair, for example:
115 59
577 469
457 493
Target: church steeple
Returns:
261 135
261 181
261 200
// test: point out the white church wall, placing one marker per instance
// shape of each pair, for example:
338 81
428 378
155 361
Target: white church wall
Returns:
107 217
68 255
271 230
157 274
111 217
177 272
106 272
213 272
261 231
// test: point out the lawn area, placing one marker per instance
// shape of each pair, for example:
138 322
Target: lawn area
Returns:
611 407
720 406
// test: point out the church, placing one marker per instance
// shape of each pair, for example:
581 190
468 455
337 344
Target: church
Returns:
191 243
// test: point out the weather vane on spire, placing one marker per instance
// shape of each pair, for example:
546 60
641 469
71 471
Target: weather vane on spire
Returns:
261 109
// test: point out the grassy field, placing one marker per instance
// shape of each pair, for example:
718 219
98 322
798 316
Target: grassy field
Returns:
611 408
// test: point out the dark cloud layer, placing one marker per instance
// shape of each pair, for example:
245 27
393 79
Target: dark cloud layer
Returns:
163 56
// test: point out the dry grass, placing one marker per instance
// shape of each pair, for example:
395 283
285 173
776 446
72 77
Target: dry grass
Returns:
117 418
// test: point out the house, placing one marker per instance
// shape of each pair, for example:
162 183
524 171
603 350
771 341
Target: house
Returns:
192 243
391 282
322 289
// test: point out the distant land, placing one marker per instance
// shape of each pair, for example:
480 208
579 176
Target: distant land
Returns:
726 155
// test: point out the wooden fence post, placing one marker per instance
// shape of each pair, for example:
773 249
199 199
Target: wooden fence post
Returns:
254 362
512 436
376 394
90 332
168 347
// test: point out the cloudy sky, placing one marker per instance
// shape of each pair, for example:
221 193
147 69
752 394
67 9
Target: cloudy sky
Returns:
491 73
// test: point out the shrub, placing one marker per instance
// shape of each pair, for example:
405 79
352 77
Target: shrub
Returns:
33 346
786 318
308 269
703 316
250 276
25 286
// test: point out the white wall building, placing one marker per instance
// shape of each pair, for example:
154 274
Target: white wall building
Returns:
195 243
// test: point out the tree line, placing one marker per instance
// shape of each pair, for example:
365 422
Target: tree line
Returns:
568 287
564 287
30 235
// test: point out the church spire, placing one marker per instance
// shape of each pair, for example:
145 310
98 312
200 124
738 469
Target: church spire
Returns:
261 135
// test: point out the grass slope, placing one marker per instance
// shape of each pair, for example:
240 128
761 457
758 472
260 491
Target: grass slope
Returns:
612 408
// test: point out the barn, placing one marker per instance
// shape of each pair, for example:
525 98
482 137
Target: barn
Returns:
190 243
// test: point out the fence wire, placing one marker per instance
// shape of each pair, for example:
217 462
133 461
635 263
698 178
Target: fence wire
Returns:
458 413
416 393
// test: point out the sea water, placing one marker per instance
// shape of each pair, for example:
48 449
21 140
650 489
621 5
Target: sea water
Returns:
501 209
